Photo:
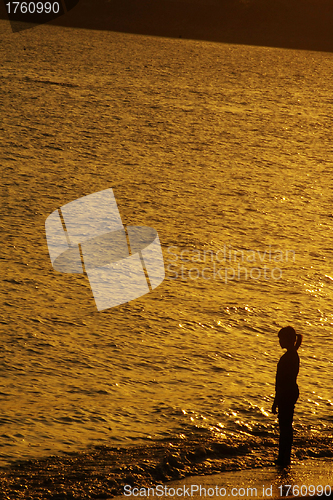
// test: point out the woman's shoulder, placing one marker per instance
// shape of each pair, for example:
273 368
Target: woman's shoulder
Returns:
292 354
289 356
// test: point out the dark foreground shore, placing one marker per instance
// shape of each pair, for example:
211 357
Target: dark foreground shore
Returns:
296 24
103 472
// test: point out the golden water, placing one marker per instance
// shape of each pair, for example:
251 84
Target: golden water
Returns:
226 151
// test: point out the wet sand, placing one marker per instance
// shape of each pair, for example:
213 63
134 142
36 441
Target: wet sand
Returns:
103 472
110 472
304 479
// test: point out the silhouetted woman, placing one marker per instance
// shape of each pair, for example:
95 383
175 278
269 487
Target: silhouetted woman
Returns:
286 391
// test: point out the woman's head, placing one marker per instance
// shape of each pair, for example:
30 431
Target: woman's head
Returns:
287 337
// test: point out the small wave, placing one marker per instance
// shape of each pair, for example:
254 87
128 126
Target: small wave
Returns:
49 82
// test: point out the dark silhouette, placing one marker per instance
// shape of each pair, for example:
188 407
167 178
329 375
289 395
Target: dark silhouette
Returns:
286 391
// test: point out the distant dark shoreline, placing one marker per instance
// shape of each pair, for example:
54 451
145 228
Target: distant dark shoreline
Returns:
294 24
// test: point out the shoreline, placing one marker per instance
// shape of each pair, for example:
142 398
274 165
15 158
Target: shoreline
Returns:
103 472
303 25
